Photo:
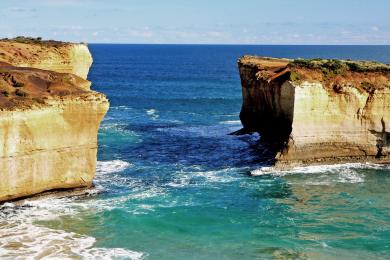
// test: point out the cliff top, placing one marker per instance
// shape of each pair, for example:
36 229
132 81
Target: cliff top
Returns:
26 87
263 62
31 40
26 50
364 75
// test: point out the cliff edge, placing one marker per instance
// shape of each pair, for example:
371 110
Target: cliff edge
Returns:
57 56
317 111
48 126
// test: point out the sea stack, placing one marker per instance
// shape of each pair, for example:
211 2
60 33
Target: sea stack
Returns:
317 111
49 117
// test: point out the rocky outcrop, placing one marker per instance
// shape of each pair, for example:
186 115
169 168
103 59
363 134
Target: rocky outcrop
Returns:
48 130
48 55
318 111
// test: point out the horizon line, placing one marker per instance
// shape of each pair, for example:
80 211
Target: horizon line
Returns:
242 44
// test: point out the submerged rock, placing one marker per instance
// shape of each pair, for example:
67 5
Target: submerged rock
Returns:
318 111
49 120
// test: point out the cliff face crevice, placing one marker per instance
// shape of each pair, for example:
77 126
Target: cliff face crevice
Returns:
48 130
318 111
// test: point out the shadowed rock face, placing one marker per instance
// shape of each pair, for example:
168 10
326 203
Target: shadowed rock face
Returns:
268 106
318 111
48 130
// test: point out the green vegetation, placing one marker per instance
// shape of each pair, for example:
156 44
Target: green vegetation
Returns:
5 93
17 84
32 40
295 76
333 66
21 93
369 87
22 39
67 79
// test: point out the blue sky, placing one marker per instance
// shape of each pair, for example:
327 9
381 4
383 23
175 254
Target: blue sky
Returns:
200 21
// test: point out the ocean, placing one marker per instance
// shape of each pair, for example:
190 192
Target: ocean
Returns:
172 184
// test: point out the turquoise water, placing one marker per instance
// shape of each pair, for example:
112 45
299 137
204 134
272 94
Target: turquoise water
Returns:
171 184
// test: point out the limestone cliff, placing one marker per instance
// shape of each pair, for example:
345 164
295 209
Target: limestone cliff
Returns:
48 130
48 55
318 111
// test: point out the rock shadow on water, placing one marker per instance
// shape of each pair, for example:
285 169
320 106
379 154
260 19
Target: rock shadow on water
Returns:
199 145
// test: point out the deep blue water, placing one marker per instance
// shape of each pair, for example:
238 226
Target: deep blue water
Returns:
175 185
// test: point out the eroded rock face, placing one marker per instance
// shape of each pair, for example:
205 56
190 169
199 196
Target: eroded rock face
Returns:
47 55
48 131
319 111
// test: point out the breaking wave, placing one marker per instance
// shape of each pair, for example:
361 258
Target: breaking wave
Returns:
20 237
105 167
152 113
325 174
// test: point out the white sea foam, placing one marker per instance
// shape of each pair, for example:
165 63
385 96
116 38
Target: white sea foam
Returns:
152 113
231 122
117 128
325 174
27 241
121 108
349 176
199 177
20 238
105 167
317 169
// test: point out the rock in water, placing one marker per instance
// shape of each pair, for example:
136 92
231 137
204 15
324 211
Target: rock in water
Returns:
318 111
49 118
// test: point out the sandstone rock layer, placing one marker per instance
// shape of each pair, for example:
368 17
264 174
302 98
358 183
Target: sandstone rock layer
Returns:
318 111
48 55
48 130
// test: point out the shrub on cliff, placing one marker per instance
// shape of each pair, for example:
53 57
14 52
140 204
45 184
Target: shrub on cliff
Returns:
336 67
18 84
5 93
21 93
23 39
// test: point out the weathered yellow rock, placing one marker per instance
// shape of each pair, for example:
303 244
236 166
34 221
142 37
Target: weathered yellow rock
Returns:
47 55
332 111
50 147
48 128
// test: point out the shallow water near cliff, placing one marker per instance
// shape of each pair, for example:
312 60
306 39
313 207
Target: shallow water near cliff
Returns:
171 184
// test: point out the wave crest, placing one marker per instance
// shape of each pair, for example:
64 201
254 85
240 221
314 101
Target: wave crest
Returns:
340 173
105 167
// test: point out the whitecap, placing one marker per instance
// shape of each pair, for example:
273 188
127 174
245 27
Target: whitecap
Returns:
116 128
313 169
199 177
152 113
325 174
350 176
105 167
121 108
231 122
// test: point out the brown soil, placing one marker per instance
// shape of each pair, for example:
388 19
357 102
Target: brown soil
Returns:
334 74
26 87
26 50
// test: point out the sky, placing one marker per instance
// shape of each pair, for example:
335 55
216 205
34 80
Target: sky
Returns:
199 21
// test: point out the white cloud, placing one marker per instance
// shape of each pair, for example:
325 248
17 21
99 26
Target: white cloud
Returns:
375 28
214 34
141 33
